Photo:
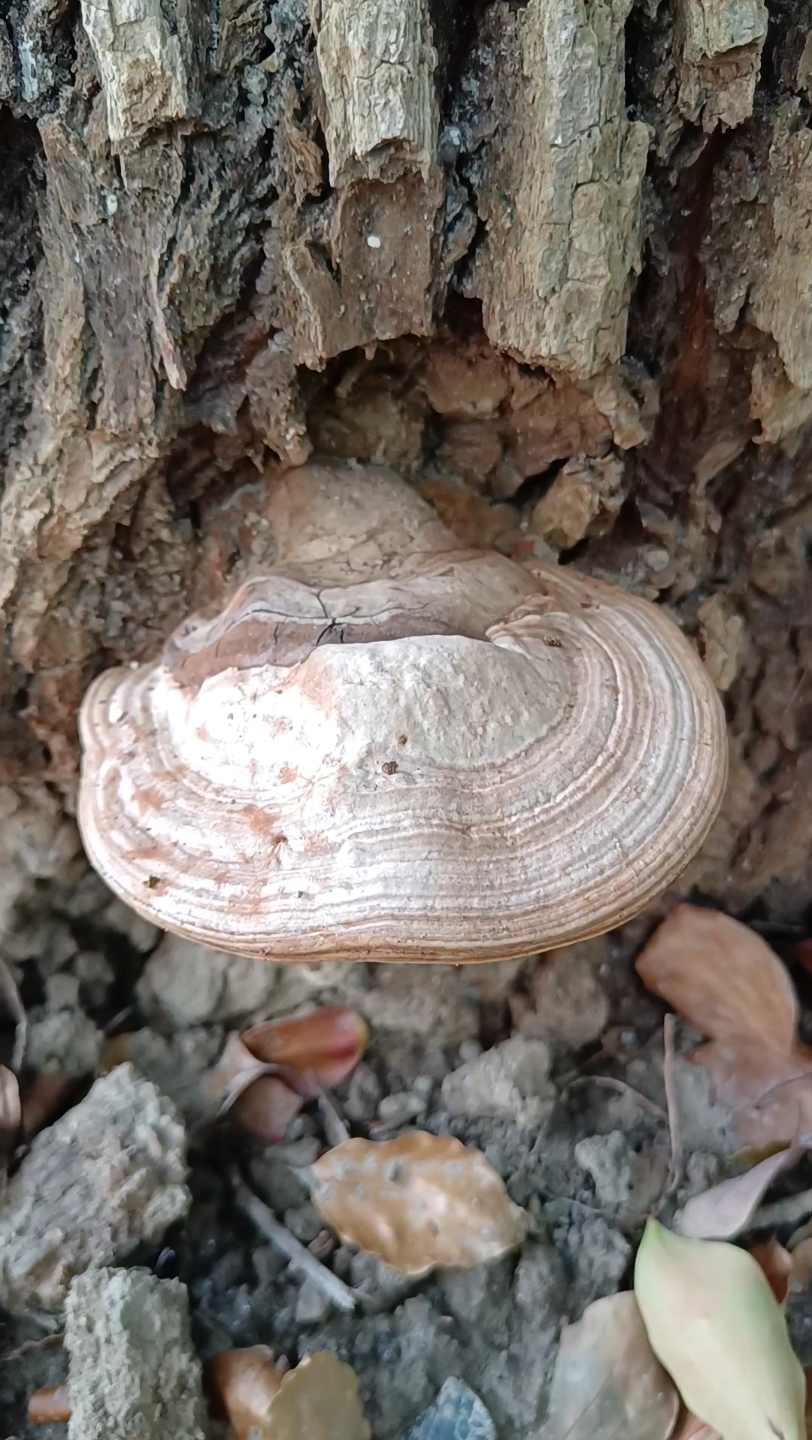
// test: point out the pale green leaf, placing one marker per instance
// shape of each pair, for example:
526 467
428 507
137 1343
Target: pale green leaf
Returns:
715 1325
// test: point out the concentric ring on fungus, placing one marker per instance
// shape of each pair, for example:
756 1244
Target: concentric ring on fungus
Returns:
392 748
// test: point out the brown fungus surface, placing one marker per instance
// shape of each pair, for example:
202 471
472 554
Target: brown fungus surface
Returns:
393 748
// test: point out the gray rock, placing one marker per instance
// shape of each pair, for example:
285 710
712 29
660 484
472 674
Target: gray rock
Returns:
133 1369
64 1042
457 1414
107 1175
508 1082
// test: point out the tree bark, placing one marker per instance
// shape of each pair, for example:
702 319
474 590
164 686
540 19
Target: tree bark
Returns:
552 260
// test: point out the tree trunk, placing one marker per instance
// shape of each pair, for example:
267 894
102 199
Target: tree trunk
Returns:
553 261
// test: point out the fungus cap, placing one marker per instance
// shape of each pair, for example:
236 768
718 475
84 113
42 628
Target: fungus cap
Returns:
391 748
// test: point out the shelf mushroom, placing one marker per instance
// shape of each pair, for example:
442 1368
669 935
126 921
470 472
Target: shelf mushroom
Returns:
394 748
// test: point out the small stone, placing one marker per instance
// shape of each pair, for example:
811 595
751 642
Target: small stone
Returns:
95 975
623 1178
64 1043
363 1095
399 1109
312 1305
569 1004
457 1414
189 984
133 1368
508 1082
62 991
141 934
303 1222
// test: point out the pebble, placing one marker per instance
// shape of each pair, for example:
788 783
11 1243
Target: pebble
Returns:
457 1414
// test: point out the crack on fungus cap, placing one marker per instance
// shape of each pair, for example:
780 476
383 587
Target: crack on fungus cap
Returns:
394 748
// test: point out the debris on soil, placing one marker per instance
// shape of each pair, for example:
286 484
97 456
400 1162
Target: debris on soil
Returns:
109 1174
457 1414
133 1368
417 1202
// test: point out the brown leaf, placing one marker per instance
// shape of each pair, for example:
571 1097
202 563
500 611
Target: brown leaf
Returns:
721 977
730 985
242 1385
266 1109
46 1407
607 1383
318 1401
776 1262
10 1113
260 1101
328 1044
724 1211
417 1202
44 1100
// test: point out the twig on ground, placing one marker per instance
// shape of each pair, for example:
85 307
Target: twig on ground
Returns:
300 1258
783 1212
611 1083
675 1163
41 1343
334 1127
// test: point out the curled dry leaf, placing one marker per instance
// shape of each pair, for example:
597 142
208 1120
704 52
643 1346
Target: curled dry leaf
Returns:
264 1075
608 1384
716 1326
47 1407
259 1101
242 1386
724 1211
730 985
776 1262
417 1202
326 1044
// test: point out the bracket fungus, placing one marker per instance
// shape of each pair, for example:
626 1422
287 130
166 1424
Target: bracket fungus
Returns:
395 748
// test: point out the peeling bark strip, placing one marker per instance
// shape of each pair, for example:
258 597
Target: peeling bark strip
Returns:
377 67
563 197
721 45
146 65
376 64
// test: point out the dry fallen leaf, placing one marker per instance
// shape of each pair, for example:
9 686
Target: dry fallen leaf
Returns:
317 1401
417 1202
721 977
46 1407
776 1262
731 986
608 1384
328 1043
716 1326
259 1100
242 1386
266 1109
724 1211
